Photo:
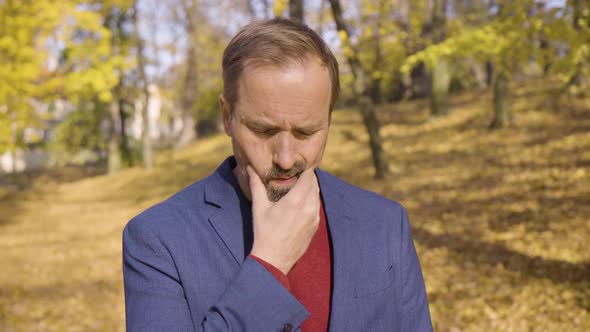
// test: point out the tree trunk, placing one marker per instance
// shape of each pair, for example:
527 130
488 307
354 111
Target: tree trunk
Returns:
321 18
14 161
251 9
296 10
266 7
489 73
398 88
360 91
479 72
146 141
375 83
543 41
502 113
126 155
439 93
116 21
14 139
117 138
402 89
188 133
440 78
114 153
579 15
370 121
419 82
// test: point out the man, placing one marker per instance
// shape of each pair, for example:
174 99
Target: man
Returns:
269 242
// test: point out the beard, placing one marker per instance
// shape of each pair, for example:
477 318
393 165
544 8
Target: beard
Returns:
275 193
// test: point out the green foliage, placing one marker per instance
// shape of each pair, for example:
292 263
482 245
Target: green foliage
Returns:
50 50
574 36
209 41
511 39
490 42
207 104
81 129
374 30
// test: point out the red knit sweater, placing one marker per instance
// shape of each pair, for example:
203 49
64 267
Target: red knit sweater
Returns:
310 280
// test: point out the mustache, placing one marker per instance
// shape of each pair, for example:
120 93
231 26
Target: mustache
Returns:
278 172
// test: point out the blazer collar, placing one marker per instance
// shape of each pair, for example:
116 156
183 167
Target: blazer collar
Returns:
232 218
344 244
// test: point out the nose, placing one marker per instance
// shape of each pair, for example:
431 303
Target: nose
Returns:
284 154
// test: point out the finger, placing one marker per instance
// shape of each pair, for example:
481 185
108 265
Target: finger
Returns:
257 189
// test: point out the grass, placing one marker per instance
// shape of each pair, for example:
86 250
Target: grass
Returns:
500 218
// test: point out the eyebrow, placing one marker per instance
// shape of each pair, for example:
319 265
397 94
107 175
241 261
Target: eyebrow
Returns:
261 124
257 123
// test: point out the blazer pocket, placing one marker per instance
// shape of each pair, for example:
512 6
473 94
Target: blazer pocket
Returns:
377 283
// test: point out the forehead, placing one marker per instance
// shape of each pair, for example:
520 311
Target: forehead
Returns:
296 91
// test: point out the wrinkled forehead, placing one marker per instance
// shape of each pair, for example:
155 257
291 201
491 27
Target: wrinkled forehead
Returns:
280 61
294 90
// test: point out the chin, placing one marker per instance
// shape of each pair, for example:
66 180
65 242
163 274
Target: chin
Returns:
275 193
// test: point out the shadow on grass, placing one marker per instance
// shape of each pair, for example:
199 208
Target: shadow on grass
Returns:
462 249
18 188
70 173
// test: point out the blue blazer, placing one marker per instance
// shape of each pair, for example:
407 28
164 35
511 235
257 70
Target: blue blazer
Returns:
186 264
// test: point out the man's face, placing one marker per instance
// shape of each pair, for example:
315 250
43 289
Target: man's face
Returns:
279 126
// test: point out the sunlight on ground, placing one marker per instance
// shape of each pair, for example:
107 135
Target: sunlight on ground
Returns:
500 219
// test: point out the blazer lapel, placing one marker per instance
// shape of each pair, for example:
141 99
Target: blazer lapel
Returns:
345 249
232 216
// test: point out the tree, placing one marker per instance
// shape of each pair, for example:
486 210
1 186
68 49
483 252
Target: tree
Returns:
440 76
296 10
190 14
505 42
18 49
62 51
117 17
361 92
141 67
579 43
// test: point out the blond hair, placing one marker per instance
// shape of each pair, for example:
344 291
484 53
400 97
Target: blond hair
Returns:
278 42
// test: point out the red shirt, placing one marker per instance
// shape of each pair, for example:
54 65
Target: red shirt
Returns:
310 280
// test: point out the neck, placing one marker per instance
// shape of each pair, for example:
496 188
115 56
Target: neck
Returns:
242 178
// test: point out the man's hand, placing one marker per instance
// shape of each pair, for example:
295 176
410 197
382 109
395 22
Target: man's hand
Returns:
283 230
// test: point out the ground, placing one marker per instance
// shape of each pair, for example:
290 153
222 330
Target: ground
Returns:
500 218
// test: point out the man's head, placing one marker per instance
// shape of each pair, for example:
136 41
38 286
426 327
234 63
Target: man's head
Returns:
280 85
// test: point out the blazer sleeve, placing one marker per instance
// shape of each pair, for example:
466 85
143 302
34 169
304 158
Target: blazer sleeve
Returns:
414 302
155 301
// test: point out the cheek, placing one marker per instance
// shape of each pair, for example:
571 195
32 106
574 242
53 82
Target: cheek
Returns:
251 150
314 150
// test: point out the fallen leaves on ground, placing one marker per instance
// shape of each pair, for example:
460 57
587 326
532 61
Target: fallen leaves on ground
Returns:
500 218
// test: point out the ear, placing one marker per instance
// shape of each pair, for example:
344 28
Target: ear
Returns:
225 114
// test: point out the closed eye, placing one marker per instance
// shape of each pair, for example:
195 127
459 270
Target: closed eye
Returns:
264 132
303 133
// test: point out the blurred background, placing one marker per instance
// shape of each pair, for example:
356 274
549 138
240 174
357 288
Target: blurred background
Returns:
473 114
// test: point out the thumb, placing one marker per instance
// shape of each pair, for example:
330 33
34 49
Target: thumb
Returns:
257 188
